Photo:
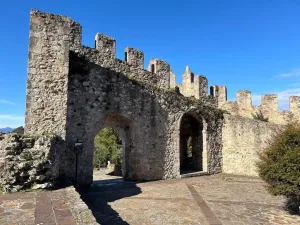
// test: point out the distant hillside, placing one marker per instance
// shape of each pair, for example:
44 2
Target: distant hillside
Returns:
6 130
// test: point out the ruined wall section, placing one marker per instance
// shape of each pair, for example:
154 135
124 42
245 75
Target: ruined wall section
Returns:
101 96
48 68
104 54
243 139
269 106
193 86
28 162
51 39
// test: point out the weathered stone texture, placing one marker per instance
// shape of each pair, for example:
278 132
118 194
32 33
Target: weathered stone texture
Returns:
147 121
79 90
74 91
193 86
269 106
134 57
48 69
242 139
28 162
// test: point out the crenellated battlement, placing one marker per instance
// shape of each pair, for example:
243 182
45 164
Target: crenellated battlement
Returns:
192 85
269 105
104 51
65 35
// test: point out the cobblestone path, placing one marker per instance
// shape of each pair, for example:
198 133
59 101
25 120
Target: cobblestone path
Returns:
59 207
208 200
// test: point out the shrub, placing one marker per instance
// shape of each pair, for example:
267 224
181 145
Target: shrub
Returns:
259 116
279 165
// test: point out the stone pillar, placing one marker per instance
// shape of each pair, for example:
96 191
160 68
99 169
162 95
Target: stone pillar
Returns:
47 78
172 79
243 99
162 69
200 86
187 82
106 46
134 57
295 106
220 93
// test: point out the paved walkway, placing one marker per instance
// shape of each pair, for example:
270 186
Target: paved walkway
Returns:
43 208
207 200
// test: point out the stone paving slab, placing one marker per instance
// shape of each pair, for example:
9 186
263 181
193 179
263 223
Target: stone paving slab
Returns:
211 200
45 208
206 200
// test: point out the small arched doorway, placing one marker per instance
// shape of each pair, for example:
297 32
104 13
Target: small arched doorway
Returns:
112 147
192 144
108 154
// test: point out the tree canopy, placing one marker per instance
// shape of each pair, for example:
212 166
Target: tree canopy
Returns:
108 147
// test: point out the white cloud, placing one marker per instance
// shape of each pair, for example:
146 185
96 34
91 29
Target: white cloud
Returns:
293 73
7 102
12 121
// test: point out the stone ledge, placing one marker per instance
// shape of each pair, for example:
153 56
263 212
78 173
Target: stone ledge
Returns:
83 215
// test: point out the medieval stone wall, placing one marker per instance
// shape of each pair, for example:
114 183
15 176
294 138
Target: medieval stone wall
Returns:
75 91
28 162
47 78
147 120
269 106
192 85
242 139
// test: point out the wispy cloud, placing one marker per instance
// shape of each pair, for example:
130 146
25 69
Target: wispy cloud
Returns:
13 121
293 73
7 102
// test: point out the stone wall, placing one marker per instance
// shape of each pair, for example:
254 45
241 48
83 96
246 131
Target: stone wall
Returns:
146 118
28 162
269 106
192 86
75 91
48 68
242 139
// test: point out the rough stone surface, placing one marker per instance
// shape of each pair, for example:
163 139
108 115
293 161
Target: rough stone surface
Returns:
75 91
27 162
208 200
242 139
243 107
59 207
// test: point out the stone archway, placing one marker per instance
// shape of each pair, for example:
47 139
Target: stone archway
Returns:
123 127
192 138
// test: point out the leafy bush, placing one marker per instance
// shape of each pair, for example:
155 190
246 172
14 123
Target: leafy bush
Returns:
279 165
259 116
108 147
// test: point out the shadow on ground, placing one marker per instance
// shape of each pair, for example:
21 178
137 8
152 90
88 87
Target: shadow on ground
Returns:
102 192
292 205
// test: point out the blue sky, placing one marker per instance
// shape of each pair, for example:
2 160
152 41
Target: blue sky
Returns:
243 44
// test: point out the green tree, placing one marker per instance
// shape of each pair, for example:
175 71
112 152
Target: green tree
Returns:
108 147
279 165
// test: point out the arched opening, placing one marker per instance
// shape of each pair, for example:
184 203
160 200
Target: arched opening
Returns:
125 56
112 146
192 154
152 68
108 154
